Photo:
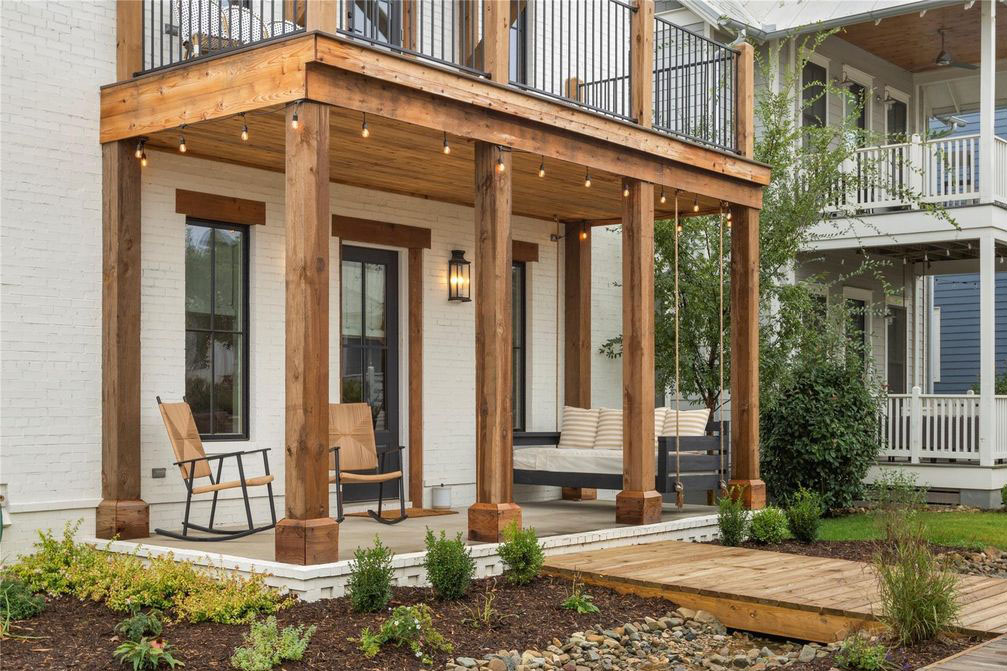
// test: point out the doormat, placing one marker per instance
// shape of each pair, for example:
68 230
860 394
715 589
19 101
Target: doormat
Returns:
411 512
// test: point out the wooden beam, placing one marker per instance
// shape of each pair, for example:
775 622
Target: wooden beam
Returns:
524 252
307 535
496 40
745 356
322 15
128 38
638 502
416 377
617 155
220 208
121 512
577 330
410 17
494 508
745 118
641 58
380 232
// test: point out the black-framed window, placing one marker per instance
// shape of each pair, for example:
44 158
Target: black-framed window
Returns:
216 328
814 97
519 347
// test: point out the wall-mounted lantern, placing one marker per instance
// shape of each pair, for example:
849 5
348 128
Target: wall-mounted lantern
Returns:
459 277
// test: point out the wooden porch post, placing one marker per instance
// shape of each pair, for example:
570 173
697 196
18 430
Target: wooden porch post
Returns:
638 502
416 377
321 15
128 38
121 512
577 329
307 535
494 507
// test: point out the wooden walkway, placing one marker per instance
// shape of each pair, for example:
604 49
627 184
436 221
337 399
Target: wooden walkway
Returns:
812 598
990 656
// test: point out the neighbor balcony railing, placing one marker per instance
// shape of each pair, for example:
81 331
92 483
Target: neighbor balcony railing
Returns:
918 427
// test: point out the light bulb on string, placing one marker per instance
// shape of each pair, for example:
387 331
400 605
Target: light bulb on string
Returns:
294 123
695 204
139 149
447 147
244 128
587 178
181 139
501 166
583 232
143 158
541 167
365 132
664 198
625 189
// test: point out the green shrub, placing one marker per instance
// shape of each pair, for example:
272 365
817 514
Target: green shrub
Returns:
918 595
521 554
819 430
370 584
732 518
266 646
768 526
1003 497
147 654
17 602
141 625
449 565
804 515
860 654
579 600
411 626
125 583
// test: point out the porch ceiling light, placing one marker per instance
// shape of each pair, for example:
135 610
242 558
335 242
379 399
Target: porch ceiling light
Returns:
459 277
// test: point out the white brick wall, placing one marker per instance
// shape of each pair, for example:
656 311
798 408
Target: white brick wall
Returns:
55 57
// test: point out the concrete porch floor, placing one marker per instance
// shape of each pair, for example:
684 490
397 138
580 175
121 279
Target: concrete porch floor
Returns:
549 518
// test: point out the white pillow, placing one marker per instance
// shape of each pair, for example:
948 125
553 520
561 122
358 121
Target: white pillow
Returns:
579 428
609 430
691 422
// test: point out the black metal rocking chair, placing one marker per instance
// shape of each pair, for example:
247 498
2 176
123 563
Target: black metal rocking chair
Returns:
194 464
351 433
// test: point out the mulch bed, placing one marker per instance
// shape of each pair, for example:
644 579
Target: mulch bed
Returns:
80 635
903 659
862 551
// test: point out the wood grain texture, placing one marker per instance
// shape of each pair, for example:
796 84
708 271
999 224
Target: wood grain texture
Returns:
415 389
638 503
745 101
496 40
308 226
220 208
487 521
120 344
987 656
577 315
492 295
579 494
322 15
123 518
641 58
524 252
305 542
128 38
794 596
371 231
745 354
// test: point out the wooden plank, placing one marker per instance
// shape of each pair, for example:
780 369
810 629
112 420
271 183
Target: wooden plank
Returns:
963 661
577 315
409 24
322 15
638 502
128 38
307 535
524 252
641 58
380 232
494 507
220 208
415 364
745 101
121 511
745 356
496 40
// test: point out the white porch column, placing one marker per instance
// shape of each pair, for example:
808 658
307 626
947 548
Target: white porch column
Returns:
987 344
987 97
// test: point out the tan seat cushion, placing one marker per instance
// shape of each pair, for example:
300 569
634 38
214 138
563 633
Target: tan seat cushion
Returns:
690 422
609 436
366 477
231 484
580 425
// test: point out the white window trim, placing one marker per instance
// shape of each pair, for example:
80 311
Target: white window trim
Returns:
867 81
867 296
823 61
898 302
902 97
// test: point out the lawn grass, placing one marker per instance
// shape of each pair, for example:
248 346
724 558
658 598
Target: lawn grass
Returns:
960 529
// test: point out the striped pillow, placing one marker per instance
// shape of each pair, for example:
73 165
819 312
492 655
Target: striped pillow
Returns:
692 422
660 414
579 428
609 430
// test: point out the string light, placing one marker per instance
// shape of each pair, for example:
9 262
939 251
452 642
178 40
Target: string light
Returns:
244 128
664 199
181 139
447 147
587 177
365 132
541 167
143 159
294 123
583 231
501 166
139 148
625 189
141 152
695 204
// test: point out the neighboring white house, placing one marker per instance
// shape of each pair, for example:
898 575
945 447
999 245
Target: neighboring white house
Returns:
924 69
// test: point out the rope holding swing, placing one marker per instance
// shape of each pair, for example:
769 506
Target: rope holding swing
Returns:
679 487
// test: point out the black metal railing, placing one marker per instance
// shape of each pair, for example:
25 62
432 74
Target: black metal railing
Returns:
446 32
695 80
575 50
175 31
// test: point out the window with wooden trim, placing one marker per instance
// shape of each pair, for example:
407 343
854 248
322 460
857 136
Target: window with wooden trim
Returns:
216 328
519 353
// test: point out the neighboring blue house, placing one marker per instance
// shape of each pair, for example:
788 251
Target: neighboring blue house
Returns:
957 296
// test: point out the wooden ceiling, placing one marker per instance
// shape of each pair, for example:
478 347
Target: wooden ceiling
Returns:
912 42
409 160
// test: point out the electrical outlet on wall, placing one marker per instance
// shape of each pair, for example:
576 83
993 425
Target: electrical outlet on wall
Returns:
158 472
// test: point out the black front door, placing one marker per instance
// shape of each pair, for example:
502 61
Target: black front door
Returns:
369 328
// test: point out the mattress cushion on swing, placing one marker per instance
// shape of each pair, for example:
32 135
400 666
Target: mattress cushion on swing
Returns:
570 460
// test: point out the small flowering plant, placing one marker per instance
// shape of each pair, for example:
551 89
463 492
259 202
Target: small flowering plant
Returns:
147 653
411 626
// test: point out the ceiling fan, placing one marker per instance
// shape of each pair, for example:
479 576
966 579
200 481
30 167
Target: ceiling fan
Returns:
944 58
